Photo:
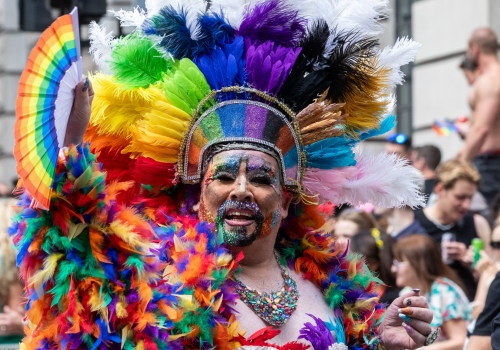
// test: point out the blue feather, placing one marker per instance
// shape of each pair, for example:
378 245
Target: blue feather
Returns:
171 26
330 153
214 31
385 126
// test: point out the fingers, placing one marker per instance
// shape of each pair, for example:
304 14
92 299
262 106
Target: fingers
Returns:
416 313
80 113
82 92
418 318
416 336
415 301
455 250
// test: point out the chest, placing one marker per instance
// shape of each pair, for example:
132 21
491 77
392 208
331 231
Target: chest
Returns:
311 301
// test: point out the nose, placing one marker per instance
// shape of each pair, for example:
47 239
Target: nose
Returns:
241 190
465 204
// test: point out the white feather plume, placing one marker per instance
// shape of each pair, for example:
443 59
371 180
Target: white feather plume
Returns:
386 181
132 18
154 6
383 180
234 10
362 16
100 46
403 52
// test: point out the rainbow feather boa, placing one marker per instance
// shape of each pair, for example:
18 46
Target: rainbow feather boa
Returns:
103 275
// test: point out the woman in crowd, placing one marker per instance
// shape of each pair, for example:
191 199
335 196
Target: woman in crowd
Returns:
418 264
377 248
350 222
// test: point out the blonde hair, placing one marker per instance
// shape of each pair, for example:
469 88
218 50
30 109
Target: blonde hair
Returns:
453 170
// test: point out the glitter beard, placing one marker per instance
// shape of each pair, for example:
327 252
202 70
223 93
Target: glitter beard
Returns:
238 236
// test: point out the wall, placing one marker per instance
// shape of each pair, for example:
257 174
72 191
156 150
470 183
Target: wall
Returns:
439 87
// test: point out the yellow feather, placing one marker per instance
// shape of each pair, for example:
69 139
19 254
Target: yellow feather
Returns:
121 307
74 230
352 268
366 303
179 245
127 234
124 335
216 305
224 259
366 105
42 276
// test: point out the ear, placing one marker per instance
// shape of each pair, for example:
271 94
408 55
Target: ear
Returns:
439 188
285 204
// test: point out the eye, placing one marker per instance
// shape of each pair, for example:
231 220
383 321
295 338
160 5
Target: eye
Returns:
262 180
224 177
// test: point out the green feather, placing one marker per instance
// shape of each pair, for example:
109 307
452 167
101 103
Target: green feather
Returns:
185 85
136 62
135 261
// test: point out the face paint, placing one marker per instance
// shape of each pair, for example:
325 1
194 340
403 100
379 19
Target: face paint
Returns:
235 179
234 232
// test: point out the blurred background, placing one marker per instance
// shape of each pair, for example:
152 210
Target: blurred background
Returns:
435 88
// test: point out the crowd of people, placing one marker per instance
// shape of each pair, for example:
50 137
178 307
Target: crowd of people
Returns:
449 248
444 256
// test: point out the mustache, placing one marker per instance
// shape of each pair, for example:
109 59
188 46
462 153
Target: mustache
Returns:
238 205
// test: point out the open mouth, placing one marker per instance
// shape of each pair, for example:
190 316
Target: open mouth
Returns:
238 217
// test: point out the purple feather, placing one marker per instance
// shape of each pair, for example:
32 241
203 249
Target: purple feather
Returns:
275 21
318 335
268 65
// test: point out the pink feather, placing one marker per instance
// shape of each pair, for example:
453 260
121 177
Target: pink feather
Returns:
382 180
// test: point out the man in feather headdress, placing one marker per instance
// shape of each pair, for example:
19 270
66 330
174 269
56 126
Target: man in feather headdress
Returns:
220 133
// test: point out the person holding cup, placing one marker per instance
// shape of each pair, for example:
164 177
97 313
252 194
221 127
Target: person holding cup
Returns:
449 217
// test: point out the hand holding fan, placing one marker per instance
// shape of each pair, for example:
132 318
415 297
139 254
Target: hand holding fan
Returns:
44 101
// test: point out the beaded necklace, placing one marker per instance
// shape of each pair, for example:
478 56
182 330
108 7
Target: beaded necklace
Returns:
275 308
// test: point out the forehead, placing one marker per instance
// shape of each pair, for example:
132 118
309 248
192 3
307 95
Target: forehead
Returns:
253 158
462 185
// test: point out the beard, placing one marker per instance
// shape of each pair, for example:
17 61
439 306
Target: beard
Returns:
236 235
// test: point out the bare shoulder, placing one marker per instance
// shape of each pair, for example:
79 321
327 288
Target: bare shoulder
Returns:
482 228
488 83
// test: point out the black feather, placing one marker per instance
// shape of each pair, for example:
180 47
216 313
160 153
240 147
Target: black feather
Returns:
351 65
341 71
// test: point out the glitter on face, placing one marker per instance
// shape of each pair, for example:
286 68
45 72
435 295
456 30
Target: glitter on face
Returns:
238 236
247 183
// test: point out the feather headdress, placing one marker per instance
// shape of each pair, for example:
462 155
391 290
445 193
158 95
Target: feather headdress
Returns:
307 80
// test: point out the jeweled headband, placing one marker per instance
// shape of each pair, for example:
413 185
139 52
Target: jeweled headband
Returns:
243 124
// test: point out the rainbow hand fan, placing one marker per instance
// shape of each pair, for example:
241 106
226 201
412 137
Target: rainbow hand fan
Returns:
44 101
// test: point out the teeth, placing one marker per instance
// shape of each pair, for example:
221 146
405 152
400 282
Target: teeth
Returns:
237 213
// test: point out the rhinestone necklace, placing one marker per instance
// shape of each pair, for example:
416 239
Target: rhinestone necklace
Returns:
275 308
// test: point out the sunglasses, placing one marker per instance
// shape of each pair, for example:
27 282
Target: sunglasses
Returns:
397 138
495 244
397 264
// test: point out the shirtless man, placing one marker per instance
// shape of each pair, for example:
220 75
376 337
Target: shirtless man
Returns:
482 144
